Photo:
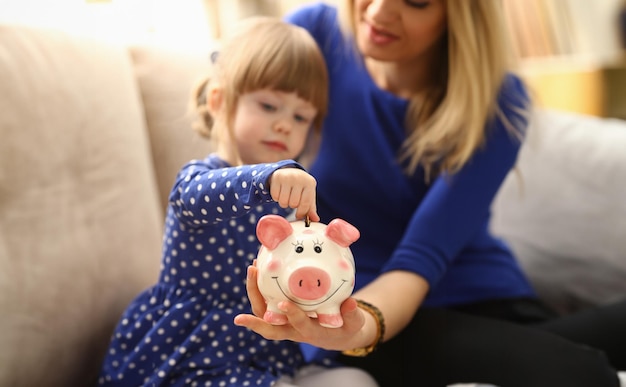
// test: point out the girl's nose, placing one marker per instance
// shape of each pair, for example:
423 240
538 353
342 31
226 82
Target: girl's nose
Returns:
283 124
383 11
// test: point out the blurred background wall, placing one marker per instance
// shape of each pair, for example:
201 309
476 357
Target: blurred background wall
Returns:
570 50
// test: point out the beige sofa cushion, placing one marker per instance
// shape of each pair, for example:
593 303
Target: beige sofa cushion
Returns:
166 78
80 221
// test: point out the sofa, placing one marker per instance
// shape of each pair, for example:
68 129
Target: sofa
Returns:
92 135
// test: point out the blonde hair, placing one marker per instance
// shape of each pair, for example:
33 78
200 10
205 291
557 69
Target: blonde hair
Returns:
263 52
448 125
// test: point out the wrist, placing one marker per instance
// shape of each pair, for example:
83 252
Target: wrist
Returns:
377 325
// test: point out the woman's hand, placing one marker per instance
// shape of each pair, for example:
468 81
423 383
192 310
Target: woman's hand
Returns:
302 328
295 188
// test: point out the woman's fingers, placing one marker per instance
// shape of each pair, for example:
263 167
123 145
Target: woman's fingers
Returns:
299 327
254 295
305 328
352 318
261 327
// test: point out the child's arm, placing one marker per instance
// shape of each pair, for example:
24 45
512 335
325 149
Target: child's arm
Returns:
204 194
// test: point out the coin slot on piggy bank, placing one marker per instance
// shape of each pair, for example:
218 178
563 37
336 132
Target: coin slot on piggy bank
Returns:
307 263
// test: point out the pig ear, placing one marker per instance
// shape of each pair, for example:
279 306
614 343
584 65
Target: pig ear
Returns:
272 229
342 232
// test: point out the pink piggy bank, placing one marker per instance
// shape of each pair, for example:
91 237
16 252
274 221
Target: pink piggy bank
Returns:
307 263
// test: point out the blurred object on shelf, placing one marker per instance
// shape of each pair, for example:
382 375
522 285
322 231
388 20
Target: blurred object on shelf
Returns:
621 23
572 53
587 89
564 28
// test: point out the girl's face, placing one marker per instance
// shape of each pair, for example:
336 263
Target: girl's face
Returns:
271 125
398 30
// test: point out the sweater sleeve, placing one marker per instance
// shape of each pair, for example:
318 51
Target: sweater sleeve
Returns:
204 195
457 206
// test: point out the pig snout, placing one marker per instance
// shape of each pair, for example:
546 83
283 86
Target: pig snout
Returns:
309 283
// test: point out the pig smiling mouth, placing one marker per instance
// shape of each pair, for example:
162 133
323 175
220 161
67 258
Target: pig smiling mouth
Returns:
309 304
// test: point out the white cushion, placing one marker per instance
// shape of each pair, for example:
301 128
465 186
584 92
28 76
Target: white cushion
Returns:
564 213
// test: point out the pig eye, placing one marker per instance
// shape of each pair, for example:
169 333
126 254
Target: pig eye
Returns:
317 247
298 247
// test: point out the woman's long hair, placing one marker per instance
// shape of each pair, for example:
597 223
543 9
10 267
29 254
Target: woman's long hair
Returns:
445 128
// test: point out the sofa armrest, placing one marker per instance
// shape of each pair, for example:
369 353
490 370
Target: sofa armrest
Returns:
80 221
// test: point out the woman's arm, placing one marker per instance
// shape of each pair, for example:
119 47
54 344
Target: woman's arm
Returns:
398 294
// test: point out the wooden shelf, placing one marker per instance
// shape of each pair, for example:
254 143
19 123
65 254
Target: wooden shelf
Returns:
571 53
595 90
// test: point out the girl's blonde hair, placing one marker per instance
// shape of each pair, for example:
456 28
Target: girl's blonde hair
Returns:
448 125
259 53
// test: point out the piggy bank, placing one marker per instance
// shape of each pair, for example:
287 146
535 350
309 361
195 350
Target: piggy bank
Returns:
307 263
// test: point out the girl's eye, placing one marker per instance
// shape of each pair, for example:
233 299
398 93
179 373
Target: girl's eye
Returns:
301 119
267 107
417 4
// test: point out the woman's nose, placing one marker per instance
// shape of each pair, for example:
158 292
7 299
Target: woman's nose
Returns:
383 11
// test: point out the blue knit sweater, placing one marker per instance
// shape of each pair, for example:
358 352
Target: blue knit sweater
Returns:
439 230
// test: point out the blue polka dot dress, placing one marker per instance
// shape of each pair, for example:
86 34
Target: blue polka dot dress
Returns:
180 332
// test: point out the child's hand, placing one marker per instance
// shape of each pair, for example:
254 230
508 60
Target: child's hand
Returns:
295 188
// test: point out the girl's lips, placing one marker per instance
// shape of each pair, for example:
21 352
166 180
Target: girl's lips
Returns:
378 36
276 145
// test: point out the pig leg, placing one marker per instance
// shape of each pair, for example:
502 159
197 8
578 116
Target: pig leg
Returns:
330 317
274 316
